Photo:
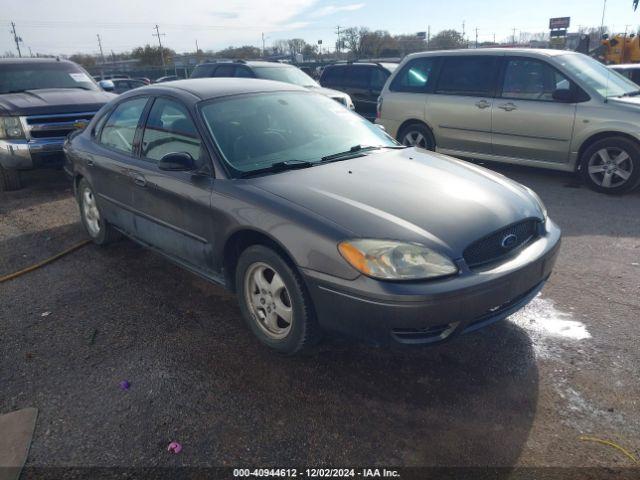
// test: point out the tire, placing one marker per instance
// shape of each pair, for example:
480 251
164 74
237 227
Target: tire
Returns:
302 331
100 231
417 135
611 165
9 179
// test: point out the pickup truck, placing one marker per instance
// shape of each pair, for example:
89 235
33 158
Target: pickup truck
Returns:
41 101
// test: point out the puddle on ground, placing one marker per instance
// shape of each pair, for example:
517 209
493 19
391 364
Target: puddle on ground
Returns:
545 324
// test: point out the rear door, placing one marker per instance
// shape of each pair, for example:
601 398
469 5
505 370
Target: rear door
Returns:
528 123
357 83
173 208
459 109
109 169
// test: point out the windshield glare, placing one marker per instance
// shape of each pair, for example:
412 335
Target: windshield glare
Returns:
605 81
285 74
255 131
36 76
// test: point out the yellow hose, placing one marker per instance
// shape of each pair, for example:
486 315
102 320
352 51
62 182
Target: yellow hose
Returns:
11 276
587 438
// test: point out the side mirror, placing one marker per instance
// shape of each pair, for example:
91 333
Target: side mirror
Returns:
563 95
107 85
177 162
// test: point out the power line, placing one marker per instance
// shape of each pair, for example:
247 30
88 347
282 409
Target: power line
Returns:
16 38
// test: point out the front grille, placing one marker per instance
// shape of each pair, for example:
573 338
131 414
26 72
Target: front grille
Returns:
55 125
501 243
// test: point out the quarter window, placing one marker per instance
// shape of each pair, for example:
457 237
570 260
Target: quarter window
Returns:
120 129
528 79
170 129
467 75
414 76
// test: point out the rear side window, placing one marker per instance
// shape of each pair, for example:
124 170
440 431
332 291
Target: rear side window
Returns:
414 76
244 72
357 77
467 75
120 129
332 75
169 129
203 71
225 71
378 78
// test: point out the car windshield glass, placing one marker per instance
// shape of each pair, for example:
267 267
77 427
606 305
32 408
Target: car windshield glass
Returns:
285 74
255 131
19 77
594 74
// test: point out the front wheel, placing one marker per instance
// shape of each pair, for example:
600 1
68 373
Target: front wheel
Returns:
611 165
274 301
9 179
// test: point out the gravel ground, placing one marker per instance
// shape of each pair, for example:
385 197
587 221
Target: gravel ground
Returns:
519 393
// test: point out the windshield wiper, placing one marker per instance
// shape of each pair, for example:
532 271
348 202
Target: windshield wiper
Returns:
279 167
357 150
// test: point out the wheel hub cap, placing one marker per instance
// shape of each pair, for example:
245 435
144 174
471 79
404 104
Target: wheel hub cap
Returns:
610 167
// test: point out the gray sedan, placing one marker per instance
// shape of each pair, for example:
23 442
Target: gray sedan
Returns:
315 218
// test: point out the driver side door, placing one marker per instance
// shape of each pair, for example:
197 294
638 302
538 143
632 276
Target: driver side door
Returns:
527 123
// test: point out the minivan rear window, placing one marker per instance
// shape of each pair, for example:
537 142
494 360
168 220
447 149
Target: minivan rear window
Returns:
467 75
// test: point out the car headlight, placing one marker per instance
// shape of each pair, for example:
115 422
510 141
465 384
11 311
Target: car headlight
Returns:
543 209
10 127
391 260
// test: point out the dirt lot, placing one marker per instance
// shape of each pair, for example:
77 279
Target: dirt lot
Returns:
518 393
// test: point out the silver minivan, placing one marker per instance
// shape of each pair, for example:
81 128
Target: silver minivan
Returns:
546 108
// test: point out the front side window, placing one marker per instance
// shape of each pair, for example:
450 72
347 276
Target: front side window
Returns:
120 128
256 131
467 75
170 129
414 76
527 79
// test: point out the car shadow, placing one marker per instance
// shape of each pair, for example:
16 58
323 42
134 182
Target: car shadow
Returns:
38 187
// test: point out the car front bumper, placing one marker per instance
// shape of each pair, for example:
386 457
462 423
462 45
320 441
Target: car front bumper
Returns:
430 312
28 154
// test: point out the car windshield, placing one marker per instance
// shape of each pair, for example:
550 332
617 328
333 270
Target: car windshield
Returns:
18 77
605 81
255 131
285 74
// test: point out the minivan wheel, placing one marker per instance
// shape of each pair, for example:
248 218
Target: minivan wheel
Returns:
96 226
611 165
9 179
274 301
417 135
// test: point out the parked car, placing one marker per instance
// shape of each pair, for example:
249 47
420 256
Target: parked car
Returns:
363 82
145 80
124 85
168 78
41 101
629 70
316 218
280 72
546 108
112 76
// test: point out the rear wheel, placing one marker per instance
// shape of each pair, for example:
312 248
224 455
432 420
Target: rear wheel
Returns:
9 179
417 135
611 165
274 301
96 226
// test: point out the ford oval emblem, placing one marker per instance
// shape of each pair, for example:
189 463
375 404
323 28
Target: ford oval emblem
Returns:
509 241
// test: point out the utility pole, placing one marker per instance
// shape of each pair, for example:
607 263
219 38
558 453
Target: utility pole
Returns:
338 42
428 36
30 52
463 34
100 45
197 47
514 36
476 37
17 39
604 9
262 44
159 35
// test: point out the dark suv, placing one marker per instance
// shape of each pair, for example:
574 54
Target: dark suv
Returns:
280 72
362 81
41 101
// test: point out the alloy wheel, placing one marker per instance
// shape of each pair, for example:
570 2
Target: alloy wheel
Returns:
268 300
414 139
91 213
610 167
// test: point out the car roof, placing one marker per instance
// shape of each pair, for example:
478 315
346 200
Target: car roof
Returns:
207 88
625 66
249 63
543 52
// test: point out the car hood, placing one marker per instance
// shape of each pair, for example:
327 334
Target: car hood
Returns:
329 92
54 101
408 195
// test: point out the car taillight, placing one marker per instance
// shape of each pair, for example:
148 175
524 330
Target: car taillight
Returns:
379 107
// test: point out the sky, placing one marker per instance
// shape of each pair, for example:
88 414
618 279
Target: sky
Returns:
71 26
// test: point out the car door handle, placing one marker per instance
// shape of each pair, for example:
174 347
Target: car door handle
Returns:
482 104
139 179
507 107
90 163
